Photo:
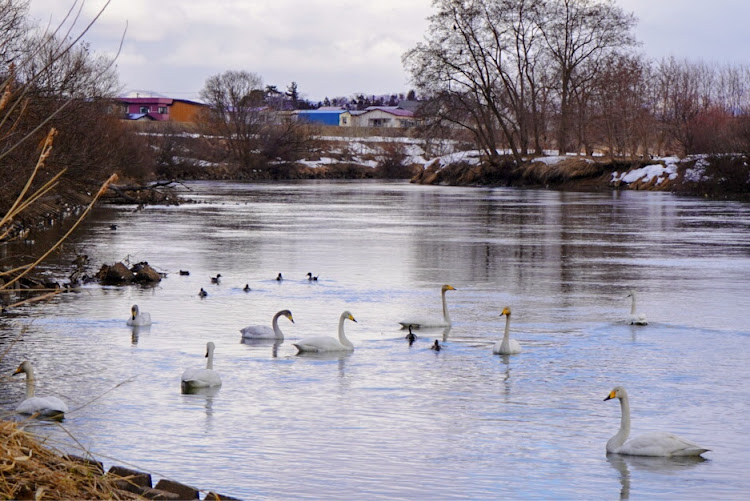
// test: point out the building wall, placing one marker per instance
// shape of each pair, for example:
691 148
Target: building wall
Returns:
182 111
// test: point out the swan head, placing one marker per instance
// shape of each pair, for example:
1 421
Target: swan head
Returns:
348 316
506 311
631 293
209 348
288 314
24 367
447 287
134 311
617 392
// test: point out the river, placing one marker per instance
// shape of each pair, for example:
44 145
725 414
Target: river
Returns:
393 421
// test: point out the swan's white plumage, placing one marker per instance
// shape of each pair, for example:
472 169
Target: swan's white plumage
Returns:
202 378
321 344
659 444
138 318
41 406
635 317
264 331
419 321
506 346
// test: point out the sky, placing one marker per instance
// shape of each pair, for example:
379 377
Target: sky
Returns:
335 48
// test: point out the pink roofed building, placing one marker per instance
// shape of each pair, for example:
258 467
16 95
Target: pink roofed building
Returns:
161 109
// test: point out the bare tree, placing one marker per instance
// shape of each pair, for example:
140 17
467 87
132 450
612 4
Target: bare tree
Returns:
235 100
462 66
579 35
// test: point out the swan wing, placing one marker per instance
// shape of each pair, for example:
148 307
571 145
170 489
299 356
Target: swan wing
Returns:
512 347
143 318
424 322
44 406
200 378
320 344
639 319
258 332
660 444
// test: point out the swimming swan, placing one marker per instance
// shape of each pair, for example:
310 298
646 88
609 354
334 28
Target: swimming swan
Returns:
411 337
321 344
506 346
41 406
138 318
264 331
636 318
650 444
202 378
432 322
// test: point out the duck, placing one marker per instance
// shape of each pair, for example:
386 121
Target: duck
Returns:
184 273
216 279
44 407
138 318
635 318
246 288
411 337
419 323
311 278
436 346
265 332
322 344
279 278
506 346
202 293
113 227
202 378
659 444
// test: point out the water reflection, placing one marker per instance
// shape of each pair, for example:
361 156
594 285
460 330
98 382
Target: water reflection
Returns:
273 343
660 465
135 332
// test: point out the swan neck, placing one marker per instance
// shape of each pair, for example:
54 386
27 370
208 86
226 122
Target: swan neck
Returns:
210 359
275 324
506 335
342 337
30 382
632 304
624 432
446 316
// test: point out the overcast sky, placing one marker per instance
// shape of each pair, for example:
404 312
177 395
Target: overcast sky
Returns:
340 47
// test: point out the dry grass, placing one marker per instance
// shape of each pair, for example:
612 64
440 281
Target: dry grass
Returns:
560 172
28 470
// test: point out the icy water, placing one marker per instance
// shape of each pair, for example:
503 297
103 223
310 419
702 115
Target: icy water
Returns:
390 421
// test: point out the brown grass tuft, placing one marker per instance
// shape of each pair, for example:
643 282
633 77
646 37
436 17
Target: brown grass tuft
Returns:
28 470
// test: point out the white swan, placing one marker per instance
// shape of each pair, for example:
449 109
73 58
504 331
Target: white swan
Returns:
42 406
650 444
266 332
506 346
418 323
321 344
202 378
635 318
138 318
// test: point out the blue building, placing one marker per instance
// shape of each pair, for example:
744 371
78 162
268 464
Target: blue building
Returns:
327 116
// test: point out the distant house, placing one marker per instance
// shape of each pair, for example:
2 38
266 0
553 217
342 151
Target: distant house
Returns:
161 109
378 116
324 115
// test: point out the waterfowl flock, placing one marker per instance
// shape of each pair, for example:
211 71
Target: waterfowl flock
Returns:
659 444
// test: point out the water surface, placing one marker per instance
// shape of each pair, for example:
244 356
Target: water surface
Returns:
390 421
